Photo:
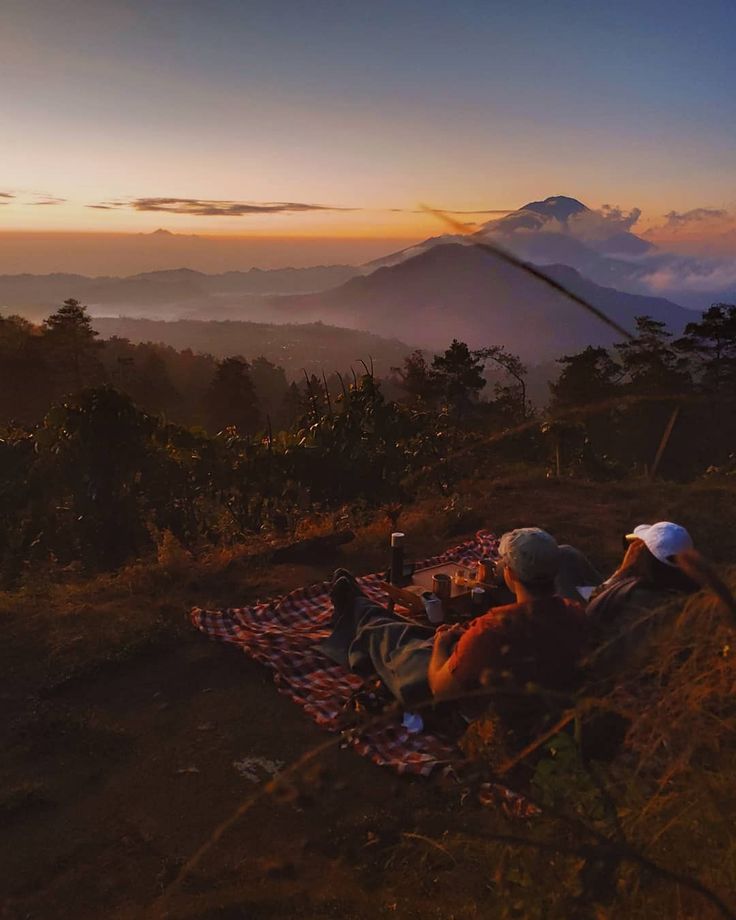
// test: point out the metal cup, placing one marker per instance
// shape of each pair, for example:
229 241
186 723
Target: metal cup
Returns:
442 585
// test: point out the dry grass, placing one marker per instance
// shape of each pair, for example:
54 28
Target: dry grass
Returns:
674 796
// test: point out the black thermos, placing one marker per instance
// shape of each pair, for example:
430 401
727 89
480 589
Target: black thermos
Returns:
397 558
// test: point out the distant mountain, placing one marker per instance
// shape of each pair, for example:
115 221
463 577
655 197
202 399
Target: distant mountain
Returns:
396 258
558 230
182 287
601 246
563 230
313 347
461 291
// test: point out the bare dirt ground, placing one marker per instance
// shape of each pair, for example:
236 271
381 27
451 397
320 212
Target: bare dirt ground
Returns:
122 729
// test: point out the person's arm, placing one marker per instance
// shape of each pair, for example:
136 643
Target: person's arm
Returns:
441 681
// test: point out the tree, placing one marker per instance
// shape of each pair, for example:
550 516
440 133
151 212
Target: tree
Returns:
710 347
651 365
652 369
458 375
70 339
711 343
271 387
510 399
590 376
415 378
24 375
231 399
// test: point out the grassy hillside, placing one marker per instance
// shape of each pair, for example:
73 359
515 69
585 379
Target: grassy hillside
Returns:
125 726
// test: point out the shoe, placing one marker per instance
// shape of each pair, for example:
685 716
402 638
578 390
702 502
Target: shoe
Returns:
345 573
343 595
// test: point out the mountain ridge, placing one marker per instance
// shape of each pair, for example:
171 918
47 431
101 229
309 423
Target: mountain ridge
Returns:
458 291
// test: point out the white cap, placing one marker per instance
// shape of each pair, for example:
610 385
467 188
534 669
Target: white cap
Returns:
663 540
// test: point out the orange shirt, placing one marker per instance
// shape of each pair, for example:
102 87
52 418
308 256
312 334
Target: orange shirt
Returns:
538 642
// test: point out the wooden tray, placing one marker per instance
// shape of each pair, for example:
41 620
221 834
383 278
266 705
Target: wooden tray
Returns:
410 595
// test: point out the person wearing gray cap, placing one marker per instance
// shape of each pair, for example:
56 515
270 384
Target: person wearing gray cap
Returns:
539 639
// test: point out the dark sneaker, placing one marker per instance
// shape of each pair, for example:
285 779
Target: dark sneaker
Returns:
343 594
344 573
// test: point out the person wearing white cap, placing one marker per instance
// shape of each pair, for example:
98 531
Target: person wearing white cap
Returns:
660 562
664 540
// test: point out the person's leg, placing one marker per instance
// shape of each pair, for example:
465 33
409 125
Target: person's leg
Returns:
367 638
398 651
575 571
350 606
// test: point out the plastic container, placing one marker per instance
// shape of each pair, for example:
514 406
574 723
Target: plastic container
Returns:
433 607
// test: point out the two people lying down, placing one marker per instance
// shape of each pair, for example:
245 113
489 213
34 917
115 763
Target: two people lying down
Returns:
540 638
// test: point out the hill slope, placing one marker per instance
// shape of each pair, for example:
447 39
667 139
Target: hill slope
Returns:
310 346
35 294
460 291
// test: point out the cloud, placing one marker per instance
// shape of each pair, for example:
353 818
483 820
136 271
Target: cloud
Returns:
676 220
202 207
480 211
586 224
697 220
43 198
705 232
692 275
601 224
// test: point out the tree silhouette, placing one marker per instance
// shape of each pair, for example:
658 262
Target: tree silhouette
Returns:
712 344
415 379
458 374
271 387
587 377
231 399
70 340
514 396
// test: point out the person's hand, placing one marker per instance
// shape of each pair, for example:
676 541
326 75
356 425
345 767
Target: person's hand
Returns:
446 633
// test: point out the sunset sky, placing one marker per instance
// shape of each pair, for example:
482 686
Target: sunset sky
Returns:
291 118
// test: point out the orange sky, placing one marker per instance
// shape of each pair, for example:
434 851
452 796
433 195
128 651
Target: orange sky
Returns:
285 121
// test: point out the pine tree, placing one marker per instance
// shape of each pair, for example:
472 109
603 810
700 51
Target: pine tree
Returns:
231 398
458 374
415 379
653 368
589 376
70 342
711 344
271 387
651 365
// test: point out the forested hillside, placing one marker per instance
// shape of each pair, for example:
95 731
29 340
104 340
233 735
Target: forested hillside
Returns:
109 444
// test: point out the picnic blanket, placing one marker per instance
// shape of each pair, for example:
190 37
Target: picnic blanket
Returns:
282 633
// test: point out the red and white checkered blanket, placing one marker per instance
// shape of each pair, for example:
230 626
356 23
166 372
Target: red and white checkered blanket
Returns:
282 632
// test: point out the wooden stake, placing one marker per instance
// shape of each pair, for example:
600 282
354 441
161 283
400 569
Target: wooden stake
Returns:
663 443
